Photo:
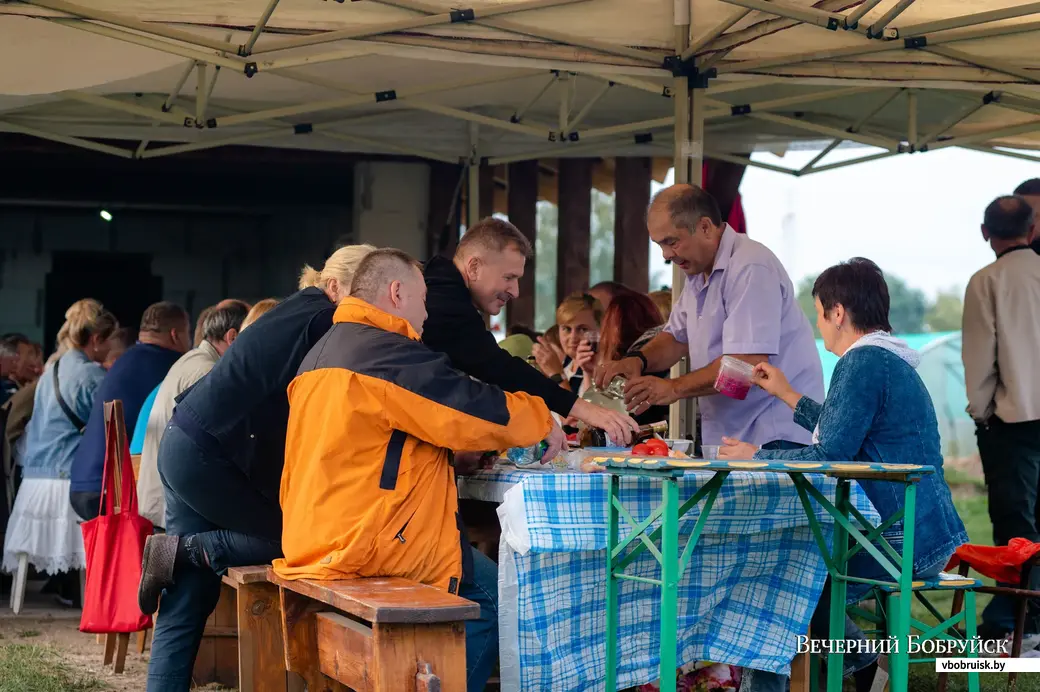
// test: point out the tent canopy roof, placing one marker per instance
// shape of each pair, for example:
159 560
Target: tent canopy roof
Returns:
412 82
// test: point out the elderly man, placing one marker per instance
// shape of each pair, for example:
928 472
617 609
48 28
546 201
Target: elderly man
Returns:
738 301
163 337
368 488
1001 335
483 277
219 331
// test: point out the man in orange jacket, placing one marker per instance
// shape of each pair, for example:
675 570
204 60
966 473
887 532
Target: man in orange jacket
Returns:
368 488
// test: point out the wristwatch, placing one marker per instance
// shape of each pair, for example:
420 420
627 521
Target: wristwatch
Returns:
557 378
641 357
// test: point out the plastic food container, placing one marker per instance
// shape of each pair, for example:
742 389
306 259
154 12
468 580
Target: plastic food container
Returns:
734 378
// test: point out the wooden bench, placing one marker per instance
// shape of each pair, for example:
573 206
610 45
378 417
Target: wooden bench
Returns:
373 635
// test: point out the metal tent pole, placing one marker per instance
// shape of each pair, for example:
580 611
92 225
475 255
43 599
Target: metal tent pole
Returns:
473 177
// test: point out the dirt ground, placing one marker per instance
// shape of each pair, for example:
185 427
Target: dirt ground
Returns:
43 621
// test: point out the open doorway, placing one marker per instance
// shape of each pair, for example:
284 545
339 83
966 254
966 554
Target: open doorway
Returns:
122 282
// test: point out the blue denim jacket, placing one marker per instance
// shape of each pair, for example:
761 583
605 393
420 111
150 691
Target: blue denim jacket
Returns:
51 439
878 410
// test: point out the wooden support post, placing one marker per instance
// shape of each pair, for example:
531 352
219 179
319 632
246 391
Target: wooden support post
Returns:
261 665
487 190
631 241
523 213
575 205
442 223
121 647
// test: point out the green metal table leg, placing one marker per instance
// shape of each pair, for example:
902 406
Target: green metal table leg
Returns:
612 585
836 661
669 581
899 603
970 632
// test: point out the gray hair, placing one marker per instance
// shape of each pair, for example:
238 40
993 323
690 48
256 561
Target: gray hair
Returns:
223 318
9 344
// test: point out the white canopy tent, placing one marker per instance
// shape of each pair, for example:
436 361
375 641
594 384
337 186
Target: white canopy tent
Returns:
507 80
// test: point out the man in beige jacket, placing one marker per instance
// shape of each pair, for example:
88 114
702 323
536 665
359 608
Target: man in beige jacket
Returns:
219 329
1001 336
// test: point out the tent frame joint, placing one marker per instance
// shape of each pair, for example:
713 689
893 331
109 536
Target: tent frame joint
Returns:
696 77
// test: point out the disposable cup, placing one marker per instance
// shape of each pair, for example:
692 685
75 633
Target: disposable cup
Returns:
734 378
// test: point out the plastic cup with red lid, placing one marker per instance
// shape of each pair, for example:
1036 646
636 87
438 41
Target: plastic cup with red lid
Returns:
734 379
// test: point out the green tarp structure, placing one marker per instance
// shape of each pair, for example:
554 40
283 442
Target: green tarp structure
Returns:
943 374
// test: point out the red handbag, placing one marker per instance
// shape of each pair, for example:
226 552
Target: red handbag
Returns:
114 541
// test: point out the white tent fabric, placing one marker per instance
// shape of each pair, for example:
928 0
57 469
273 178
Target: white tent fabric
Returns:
527 73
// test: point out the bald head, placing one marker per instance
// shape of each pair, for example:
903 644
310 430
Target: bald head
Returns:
1008 218
685 222
392 281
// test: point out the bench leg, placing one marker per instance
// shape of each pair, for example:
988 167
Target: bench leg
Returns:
261 657
142 641
123 641
800 672
300 638
110 648
400 651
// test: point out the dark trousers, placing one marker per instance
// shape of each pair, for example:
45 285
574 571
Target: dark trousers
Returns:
85 503
226 523
1010 455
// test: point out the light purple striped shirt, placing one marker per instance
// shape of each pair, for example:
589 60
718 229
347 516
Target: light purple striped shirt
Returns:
748 306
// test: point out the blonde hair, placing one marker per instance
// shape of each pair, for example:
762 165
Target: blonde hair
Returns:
84 319
663 301
257 310
577 303
340 266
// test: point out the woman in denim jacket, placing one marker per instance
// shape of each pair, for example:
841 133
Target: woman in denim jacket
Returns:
877 410
43 526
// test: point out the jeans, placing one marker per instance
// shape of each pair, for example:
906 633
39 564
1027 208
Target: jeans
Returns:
210 503
861 565
481 587
86 504
1010 455
778 445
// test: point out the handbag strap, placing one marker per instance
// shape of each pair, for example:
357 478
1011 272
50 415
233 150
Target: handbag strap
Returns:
69 413
119 494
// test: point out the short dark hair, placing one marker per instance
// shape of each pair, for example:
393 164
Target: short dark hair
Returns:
1008 217
858 286
163 316
378 269
688 204
1029 188
224 317
9 344
495 235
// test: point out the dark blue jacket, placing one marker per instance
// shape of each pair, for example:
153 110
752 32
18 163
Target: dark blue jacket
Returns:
239 411
131 380
878 410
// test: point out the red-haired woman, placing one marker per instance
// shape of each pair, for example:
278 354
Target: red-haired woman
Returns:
629 323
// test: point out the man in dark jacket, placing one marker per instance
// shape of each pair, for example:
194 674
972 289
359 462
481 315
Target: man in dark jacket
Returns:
163 338
220 462
483 276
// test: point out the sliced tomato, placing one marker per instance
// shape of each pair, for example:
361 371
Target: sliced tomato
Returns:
642 450
658 448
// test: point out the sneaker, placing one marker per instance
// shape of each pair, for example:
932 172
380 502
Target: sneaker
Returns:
160 553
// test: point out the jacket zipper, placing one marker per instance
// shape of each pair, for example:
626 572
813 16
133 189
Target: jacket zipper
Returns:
400 534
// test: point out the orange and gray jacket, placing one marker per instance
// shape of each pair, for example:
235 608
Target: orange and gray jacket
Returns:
368 489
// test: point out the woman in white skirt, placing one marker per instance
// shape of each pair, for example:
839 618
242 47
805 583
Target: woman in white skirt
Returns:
43 526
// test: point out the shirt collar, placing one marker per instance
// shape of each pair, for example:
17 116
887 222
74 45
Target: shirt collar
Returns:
209 349
727 244
1012 249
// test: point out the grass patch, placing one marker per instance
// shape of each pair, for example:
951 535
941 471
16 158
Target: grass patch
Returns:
26 634
34 668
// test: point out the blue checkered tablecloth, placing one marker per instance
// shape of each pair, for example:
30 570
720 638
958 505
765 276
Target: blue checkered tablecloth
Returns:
748 592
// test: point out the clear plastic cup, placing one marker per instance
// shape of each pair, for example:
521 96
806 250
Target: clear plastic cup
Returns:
734 379
710 452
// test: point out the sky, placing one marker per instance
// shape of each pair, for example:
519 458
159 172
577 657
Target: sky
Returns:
917 216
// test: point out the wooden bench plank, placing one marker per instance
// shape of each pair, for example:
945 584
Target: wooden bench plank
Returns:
383 600
247 575
344 650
